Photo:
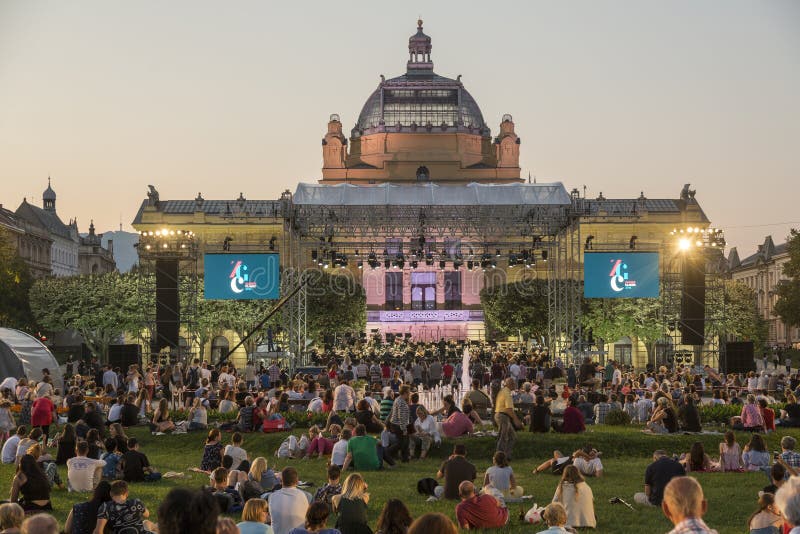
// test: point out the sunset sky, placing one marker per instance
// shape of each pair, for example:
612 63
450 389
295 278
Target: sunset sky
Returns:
223 97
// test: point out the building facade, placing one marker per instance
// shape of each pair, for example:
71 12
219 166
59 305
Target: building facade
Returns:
93 258
421 139
761 272
33 243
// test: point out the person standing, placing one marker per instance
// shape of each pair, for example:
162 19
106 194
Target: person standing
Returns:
399 419
506 418
43 415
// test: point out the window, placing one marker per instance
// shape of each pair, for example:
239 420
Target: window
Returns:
219 348
452 290
623 354
423 291
394 291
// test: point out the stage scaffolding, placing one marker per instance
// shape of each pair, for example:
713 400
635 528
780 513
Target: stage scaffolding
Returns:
458 232
154 275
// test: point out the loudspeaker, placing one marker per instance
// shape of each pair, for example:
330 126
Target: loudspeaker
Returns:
693 300
168 313
123 356
739 357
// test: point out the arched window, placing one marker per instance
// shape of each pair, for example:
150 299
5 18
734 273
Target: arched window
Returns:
623 351
219 348
96 268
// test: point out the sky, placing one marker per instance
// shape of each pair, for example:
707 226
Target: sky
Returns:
228 97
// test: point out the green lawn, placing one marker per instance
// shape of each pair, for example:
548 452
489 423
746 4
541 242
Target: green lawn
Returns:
626 453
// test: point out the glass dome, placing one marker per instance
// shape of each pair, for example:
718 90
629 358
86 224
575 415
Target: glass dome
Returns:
433 104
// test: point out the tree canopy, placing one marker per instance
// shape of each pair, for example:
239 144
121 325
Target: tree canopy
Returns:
787 307
335 303
517 307
15 283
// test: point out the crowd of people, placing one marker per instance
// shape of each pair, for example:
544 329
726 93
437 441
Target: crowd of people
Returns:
378 410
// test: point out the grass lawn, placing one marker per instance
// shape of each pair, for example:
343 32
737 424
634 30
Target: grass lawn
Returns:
626 454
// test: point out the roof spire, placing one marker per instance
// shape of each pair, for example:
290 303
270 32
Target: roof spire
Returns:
419 53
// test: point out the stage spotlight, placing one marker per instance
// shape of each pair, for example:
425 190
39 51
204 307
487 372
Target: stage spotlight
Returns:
387 263
497 253
429 259
470 264
632 242
684 244
512 260
588 244
414 264
360 264
544 255
441 265
314 254
226 243
272 241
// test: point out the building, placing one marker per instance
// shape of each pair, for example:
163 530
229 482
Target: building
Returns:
762 272
64 257
33 244
93 257
421 145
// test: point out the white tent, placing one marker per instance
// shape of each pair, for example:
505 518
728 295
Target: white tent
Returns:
24 355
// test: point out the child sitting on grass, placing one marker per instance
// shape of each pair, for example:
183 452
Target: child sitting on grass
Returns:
123 515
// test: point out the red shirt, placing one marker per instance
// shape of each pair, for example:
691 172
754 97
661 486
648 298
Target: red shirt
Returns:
42 413
447 370
386 371
481 511
573 421
769 418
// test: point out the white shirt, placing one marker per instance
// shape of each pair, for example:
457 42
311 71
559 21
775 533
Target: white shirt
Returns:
9 453
344 398
288 507
9 383
338 454
237 453
205 373
110 377
427 426
81 471
315 406
114 413
225 378
514 370
616 377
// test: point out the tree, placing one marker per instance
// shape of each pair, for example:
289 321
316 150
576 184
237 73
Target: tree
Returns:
738 317
787 307
15 283
242 316
517 307
335 303
99 307
640 319
209 320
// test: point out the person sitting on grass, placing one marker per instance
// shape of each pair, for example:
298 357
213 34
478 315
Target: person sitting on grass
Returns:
255 515
750 419
425 433
555 517
664 420
788 455
82 518
30 486
228 499
684 505
83 473
394 519
697 459
755 456
479 511
9 452
212 451
351 506
586 459
185 511
656 476
433 522
332 487
362 452
777 477
573 419
689 415
135 465
339 452
198 415
40 524
500 477
263 475
767 519
316 521
455 470
162 421
576 496
11 517
288 505
121 515
730 455
235 451
112 459
318 444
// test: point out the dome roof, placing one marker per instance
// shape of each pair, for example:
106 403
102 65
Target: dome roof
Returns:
49 194
420 100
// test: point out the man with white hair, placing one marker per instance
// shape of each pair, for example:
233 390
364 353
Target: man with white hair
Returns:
685 505
787 499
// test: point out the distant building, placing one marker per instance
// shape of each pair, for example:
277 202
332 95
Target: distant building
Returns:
33 244
66 243
762 272
93 258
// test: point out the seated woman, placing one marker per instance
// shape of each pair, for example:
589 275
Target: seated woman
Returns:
697 459
83 516
576 496
351 506
226 404
318 444
425 433
573 420
501 477
198 416
755 456
162 422
750 418
790 414
689 415
471 412
664 419
262 474
30 487
365 416
767 519
212 451
66 444
457 424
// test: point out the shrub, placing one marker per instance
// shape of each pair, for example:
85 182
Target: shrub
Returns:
617 418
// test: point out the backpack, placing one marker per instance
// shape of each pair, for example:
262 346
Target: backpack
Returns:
250 490
425 486
194 377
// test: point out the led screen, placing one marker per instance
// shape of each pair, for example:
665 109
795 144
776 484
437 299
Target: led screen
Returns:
241 276
620 274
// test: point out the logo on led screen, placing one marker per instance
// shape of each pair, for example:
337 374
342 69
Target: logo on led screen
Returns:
619 277
240 278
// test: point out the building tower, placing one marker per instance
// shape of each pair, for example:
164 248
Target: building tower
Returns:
49 198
